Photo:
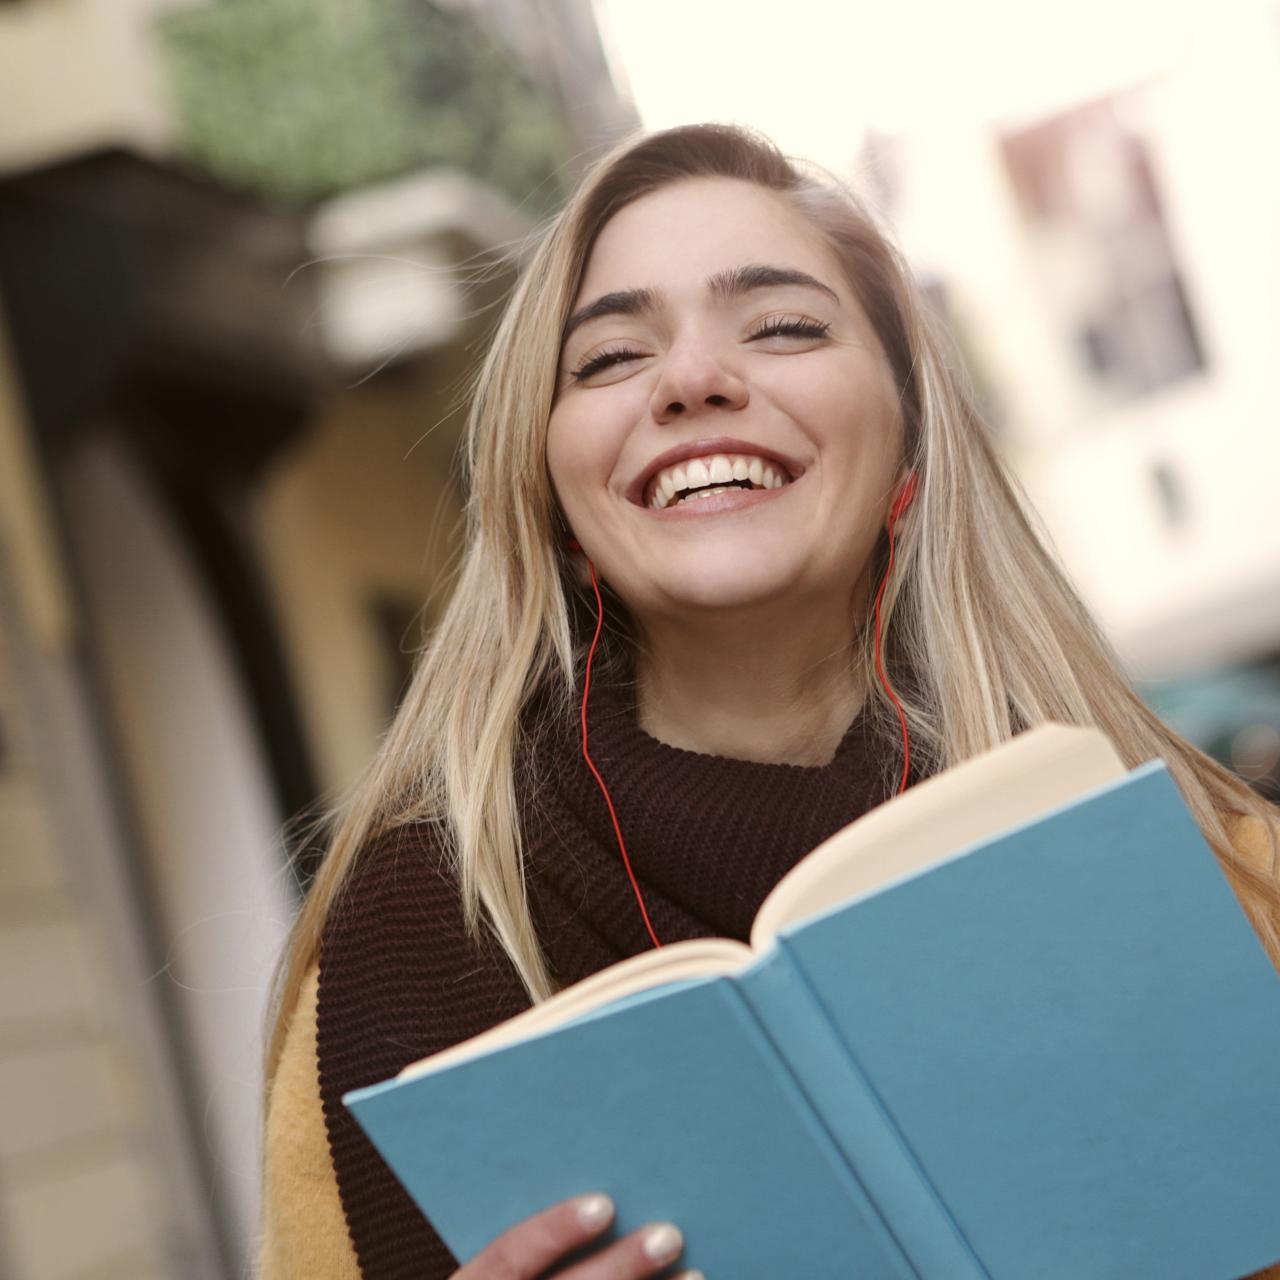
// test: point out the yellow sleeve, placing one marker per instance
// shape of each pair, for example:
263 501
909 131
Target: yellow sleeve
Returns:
304 1229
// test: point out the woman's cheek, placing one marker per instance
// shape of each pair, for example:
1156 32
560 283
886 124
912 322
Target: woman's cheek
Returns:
577 462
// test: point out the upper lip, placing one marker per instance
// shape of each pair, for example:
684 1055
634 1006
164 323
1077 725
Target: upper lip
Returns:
703 449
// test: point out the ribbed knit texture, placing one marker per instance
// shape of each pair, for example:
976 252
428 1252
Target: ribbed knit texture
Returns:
708 838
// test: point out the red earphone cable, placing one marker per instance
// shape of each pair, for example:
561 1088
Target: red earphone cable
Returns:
899 506
586 689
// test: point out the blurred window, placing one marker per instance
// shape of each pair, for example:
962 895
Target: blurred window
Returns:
1086 189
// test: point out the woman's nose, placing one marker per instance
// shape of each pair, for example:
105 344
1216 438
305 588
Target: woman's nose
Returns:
693 382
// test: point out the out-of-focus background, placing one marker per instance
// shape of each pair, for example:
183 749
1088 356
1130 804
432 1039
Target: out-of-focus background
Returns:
249 250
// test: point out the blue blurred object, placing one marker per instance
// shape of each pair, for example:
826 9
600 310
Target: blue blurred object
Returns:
1232 714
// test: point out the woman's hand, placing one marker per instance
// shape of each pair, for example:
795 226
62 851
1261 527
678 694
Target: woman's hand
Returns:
528 1249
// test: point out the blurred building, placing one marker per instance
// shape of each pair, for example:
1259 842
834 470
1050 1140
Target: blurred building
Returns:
229 402
1110 269
1113 268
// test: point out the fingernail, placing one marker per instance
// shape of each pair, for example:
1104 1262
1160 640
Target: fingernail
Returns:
594 1211
663 1242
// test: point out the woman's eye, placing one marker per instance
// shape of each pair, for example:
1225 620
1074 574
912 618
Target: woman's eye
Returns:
780 326
603 361
791 328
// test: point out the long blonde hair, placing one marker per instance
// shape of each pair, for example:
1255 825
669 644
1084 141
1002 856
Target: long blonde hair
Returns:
993 633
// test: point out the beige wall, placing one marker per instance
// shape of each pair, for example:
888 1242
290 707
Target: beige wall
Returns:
205 813
1173 599
77 74
95 1175
363 507
25 530
80 1187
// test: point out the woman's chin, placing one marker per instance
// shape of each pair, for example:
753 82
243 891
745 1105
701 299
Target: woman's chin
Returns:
713 592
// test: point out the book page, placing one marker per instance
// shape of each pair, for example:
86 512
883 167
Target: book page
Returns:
696 958
1037 771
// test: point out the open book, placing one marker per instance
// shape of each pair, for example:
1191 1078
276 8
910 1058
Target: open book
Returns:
1011 1023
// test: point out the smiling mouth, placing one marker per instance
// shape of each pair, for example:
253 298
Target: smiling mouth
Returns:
700 478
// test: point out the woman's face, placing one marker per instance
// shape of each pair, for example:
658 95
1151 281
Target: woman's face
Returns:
715 348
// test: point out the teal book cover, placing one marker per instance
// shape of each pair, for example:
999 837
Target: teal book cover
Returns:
1053 1053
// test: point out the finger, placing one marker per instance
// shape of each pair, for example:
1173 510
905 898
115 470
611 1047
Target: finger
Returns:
530 1247
644 1252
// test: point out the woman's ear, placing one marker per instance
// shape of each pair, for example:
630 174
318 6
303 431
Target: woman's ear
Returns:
577 558
569 546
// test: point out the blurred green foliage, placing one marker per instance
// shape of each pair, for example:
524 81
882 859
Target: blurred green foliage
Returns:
298 100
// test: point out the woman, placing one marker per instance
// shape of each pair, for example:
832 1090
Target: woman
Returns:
715 394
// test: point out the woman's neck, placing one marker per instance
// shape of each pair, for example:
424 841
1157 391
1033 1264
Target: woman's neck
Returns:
781 698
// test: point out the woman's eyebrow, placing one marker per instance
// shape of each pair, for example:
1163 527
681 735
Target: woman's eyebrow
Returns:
724 285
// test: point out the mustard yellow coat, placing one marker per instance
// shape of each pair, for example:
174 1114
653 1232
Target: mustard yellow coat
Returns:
304 1232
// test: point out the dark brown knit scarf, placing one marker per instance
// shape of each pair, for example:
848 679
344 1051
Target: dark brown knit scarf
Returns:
708 837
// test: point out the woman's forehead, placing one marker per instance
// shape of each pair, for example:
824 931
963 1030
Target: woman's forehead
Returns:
692 231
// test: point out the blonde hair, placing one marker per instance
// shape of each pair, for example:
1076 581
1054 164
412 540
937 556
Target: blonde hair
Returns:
995 638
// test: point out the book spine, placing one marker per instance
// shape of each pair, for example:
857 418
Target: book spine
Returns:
878 1156
865 1212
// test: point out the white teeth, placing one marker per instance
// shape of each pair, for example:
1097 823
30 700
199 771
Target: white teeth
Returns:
696 474
713 474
